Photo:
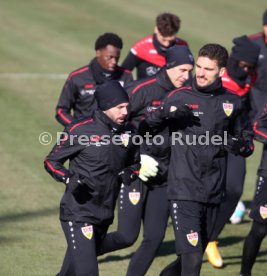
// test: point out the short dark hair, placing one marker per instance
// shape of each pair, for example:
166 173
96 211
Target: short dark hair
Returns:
264 18
168 24
108 39
216 52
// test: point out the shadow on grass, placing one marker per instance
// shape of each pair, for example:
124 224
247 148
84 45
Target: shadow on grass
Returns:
114 258
4 240
167 248
28 215
237 259
230 240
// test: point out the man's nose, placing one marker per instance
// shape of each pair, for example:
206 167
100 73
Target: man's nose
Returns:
125 111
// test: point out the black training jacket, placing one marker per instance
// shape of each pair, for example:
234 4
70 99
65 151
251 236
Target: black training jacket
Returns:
261 82
147 56
96 161
260 130
145 97
77 96
197 169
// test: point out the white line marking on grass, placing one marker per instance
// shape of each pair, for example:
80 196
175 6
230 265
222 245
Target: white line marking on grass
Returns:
32 76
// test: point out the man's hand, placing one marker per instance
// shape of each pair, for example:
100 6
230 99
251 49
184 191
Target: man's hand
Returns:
149 167
239 146
247 149
66 178
127 176
233 145
177 111
81 185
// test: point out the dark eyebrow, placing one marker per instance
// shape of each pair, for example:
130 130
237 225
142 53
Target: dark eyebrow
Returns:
206 68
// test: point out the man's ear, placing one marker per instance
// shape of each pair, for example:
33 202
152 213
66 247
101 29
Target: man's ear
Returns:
222 71
156 30
98 53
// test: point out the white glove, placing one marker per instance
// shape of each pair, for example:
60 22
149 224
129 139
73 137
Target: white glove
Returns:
149 167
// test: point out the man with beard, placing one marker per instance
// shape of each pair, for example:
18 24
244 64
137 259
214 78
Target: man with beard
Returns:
197 173
102 154
151 205
77 96
239 78
148 54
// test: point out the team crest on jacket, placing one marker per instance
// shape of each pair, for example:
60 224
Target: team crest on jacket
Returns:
88 231
263 212
192 238
134 197
125 139
173 108
228 108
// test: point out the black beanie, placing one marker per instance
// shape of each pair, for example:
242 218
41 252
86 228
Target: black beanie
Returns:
178 55
110 94
264 18
245 50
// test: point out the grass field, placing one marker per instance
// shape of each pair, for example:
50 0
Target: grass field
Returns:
40 38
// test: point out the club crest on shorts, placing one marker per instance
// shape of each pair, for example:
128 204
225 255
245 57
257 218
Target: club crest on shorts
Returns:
125 139
263 212
228 108
192 238
134 197
88 231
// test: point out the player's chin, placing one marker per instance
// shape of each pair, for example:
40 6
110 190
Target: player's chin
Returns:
121 121
179 84
201 82
112 69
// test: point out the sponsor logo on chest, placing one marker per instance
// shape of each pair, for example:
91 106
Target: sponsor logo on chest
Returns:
154 106
195 108
152 70
84 92
88 89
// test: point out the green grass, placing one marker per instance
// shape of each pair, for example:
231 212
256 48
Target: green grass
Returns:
55 36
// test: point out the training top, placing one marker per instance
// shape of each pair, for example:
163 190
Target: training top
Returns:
147 57
95 160
77 96
261 82
198 155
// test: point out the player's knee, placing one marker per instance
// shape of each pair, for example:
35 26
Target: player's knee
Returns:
191 263
158 237
128 239
155 238
259 230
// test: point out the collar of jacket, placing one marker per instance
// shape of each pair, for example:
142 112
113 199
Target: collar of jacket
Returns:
115 128
214 88
236 73
164 81
100 74
160 49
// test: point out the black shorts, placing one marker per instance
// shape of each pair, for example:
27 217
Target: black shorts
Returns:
259 204
83 239
193 224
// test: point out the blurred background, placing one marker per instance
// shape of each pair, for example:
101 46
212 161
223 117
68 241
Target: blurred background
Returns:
41 42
